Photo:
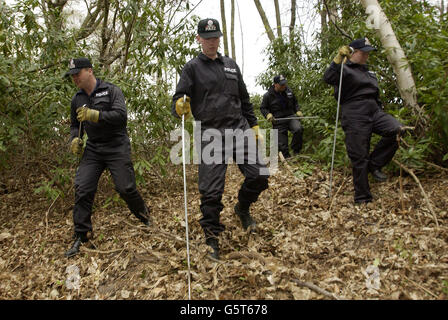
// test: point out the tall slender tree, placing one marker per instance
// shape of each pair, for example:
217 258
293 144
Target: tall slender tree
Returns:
232 29
224 27
292 24
278 19
265 20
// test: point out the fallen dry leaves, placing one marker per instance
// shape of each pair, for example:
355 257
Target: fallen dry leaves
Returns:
303 236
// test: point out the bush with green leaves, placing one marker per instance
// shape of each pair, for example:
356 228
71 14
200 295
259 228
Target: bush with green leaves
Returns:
423 34
142 56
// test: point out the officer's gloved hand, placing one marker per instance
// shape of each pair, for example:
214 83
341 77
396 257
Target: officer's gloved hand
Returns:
343 51
299 114
87 114
270 118
76 146
258 135
183 107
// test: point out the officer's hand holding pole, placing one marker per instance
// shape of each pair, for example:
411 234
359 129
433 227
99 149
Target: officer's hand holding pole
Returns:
343 51
183 106
76 146
258 136
299 113
87 114
270 118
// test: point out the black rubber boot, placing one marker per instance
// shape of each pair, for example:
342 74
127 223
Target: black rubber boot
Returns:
144 216
79 239
246 220
214 244
379 176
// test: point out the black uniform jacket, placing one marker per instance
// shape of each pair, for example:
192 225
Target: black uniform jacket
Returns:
109 100
358 83
280 104
219 97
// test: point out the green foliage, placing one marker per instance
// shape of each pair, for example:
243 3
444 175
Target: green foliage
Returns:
445 287
35 46
141 167
48 190
113 200
305 169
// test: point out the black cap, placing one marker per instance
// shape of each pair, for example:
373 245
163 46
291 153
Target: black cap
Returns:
209 28
280 79
362 44
75 65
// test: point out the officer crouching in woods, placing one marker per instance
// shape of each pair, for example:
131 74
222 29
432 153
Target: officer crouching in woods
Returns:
218 99
361 115
280 102
99 110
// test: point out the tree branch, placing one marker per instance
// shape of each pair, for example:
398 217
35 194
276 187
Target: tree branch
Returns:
265 20
315 288
345 34
428 203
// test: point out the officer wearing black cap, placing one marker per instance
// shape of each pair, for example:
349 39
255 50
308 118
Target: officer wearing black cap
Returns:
361 115
280 102
99 110
217 97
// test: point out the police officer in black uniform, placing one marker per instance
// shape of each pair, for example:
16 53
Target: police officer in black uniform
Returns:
217 97
361 115
280 102
99 110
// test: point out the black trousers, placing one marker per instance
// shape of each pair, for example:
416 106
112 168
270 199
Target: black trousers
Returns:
212 180
359 120
283 126
95 160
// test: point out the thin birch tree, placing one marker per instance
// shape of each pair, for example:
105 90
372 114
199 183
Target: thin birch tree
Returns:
406 85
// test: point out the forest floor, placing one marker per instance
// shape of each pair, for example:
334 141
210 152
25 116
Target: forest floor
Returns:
308 246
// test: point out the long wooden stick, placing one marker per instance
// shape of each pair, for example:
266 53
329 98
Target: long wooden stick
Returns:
428 203
315 288
435 166
421 287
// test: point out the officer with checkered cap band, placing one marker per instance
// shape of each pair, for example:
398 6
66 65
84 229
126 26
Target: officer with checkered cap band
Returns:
99 110
361 115
216 95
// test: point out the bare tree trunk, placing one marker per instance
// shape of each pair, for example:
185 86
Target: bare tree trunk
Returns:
242 39
324 25
323 18
160 36
293 19
232 29
128 39
395 53
224 28
265 21
104 34
278 19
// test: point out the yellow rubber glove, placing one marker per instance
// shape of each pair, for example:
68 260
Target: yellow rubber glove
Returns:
76 146
342 52
270 117
299 113
258 135
183 107
86 114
